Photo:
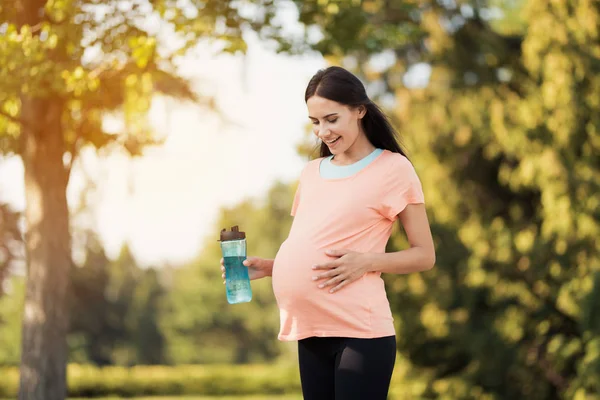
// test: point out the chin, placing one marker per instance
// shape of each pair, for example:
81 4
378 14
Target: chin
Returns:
337 148
337 151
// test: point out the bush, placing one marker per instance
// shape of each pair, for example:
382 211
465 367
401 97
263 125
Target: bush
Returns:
215 380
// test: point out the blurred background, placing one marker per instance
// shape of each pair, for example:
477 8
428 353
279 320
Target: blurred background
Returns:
133 131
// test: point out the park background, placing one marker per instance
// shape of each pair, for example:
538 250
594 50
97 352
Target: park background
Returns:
132 132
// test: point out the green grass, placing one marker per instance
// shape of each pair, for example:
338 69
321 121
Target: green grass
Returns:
271 397
198 382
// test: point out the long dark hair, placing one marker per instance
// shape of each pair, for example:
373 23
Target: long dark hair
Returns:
340 85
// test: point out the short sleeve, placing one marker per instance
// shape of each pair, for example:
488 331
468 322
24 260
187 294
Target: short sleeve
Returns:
401 188
296 200
298 194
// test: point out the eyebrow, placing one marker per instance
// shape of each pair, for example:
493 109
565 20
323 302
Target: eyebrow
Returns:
327 116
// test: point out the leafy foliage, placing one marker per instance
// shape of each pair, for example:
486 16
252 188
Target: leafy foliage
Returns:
10 241
504 136
115 311
111 57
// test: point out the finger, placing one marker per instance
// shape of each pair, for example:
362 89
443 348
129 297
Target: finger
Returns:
249 261
222 268
332 281
222 261
340 286
327 265
337 252
328 274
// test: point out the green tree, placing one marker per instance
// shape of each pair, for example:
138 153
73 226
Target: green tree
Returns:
10 241
147 336
504 136
63 65
93 328
11 303
11 313
198 323
115 310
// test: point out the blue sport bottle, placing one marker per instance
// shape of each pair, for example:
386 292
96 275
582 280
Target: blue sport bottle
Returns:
237 281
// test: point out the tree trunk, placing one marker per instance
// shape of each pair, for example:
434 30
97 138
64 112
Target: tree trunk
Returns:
47 237
48 245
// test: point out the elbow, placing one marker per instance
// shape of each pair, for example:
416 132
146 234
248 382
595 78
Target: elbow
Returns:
429 260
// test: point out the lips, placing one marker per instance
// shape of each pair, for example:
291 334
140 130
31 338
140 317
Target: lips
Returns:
331 142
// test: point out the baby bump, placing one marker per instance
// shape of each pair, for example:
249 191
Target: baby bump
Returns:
293 284
292 270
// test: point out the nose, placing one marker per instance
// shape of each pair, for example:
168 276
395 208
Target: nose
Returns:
322 131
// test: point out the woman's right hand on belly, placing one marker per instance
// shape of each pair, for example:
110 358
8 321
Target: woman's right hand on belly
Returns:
257 267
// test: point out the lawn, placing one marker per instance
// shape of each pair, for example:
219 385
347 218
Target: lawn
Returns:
271 397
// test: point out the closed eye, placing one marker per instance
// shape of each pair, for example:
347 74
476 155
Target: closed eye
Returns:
315 122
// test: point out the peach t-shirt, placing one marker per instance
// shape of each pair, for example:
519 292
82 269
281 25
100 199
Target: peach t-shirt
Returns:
355 213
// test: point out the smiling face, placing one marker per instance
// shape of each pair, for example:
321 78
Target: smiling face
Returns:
338 126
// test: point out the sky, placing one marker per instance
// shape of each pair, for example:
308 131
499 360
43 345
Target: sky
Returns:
164 205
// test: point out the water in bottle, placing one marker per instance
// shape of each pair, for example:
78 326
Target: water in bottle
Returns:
237 281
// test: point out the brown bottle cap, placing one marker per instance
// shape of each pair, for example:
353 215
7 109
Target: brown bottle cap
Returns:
234 234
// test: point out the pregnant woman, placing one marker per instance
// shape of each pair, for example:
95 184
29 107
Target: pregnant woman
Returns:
326 276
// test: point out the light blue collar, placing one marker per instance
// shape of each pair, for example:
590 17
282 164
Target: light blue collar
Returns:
328 170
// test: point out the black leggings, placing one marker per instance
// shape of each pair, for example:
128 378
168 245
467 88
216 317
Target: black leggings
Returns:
333 368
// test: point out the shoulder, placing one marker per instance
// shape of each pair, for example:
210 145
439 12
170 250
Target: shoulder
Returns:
397 164
313 163
310 166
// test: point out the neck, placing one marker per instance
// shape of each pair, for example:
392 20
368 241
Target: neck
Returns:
359 150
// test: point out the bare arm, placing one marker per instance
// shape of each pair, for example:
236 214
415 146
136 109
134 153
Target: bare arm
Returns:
257 267
351 265
421 254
